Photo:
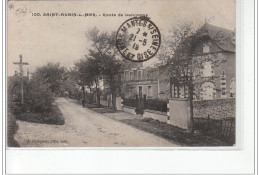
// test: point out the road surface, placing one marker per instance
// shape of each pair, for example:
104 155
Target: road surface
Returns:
84 128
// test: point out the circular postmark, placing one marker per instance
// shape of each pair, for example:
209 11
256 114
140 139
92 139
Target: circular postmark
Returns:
138 39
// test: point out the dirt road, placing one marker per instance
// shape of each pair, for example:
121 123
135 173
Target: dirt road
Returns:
84 128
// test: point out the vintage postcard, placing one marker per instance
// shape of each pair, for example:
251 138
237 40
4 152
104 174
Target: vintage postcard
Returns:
129 73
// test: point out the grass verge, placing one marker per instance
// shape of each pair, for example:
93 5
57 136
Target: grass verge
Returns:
174 134
54 116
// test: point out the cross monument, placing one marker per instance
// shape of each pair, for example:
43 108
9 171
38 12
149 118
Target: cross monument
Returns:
21 64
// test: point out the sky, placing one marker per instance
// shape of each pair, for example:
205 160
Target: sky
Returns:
43 39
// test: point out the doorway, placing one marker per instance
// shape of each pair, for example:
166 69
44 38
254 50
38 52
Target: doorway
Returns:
140 91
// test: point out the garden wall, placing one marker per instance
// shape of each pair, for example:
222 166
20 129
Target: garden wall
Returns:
104 102
179 113
129 109
216 117
215 109
156 115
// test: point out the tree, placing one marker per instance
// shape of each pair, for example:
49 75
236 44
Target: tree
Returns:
80 76
69 87
105 53
87 73
182 67
53 74
39 97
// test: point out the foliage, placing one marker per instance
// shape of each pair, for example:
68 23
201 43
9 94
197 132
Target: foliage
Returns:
105 53
130 102
171 42
14 85
11 130
86 72
39 97
53 116
69 88
53 74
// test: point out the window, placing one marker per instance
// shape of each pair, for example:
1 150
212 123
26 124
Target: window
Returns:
208 91
186 91
232 87
206 48
131 75
174 91
135 74
150 93
148 75
126 75
207 69
139 74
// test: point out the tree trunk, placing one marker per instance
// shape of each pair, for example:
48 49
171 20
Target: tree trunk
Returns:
84 93
171 87
98 95
114 101
191 123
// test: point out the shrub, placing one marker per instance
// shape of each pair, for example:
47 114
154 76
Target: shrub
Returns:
12 128
54 117
130 102
39 97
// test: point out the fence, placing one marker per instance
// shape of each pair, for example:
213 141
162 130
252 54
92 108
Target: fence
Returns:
151 104
130 102
223 127
156 105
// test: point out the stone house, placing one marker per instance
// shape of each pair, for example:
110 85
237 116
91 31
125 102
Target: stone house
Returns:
140 81
214 52
213 43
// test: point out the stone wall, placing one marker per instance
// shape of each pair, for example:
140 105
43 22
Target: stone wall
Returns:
216 117
217 109
129 109
104 102
156 115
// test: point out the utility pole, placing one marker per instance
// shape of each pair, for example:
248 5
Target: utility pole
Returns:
21 64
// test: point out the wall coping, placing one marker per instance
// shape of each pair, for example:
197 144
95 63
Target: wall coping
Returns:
179 99
130 107
218 99
186 99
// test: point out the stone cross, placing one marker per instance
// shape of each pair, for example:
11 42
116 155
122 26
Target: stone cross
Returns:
21 64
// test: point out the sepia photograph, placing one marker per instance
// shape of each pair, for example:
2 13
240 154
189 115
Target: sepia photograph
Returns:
121 73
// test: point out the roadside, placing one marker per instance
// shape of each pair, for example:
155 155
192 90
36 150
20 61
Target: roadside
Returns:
85 128
172 133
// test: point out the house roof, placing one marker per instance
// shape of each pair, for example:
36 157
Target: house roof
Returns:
224 38
129 64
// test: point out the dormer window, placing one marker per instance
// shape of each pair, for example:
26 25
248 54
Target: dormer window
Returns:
206 48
